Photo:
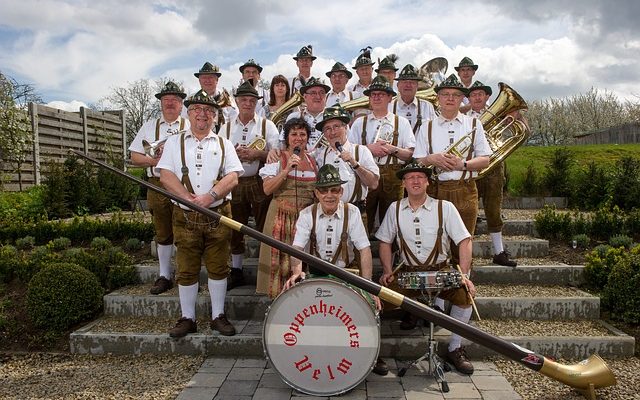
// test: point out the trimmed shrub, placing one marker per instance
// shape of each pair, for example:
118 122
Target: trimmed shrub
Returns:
553 225
625 187
133 244
9 258
557 176
581 240
59 244
621 294
592 187
600 263
26 243
100 243
36 260
620 241
61 295
122 275
606 223
531 185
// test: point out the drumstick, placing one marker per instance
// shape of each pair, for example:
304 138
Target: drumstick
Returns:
397 268
473 303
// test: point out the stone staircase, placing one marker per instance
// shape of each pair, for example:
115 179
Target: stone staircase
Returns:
135 322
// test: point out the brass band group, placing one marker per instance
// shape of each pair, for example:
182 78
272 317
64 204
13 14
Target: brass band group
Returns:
324 177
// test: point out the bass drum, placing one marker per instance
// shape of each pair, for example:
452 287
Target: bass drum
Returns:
322 337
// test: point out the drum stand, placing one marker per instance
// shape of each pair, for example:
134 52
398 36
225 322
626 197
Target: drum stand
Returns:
437 366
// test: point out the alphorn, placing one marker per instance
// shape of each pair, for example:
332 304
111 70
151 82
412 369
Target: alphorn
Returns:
585 376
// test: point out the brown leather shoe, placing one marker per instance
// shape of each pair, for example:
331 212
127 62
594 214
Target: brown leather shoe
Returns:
459 359
381 368
161 285
222 325
183 327
503 259
235 278
409 321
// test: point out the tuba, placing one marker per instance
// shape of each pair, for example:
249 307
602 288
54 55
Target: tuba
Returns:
280 115
505 127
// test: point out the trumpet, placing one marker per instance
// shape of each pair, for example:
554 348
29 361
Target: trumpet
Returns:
461 147
151 149
321 142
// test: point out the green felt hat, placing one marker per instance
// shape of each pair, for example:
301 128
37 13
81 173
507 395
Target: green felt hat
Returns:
477 85
339 67
247 89
364 58
208 69
409 73
380 83
171 88
311 82
329 176
389 62
305 52
466 62
451 82
201 97
250 63
414 166
334 112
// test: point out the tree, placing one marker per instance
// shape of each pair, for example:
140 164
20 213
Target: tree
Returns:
138 101
15 129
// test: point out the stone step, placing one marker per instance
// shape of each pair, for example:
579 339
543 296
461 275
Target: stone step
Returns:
243 304
96 340
510 228
560 274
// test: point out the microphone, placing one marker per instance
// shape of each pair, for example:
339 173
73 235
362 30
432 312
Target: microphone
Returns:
338 146
296 151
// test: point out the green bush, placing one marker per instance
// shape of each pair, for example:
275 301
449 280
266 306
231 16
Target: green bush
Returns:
23 207
36 260
581 240
606 222
531 186
625 188
133 244
9 259
59 244
599 263
100 243
553 225
620 241
557 175
621 295
592 187
122 275
61 295
26 243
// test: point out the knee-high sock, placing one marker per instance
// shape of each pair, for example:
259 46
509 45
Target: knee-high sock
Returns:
188 299
164 256
217 291
236 261
496 239
439 303
462 315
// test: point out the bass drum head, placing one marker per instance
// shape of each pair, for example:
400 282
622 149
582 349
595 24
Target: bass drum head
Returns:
321 337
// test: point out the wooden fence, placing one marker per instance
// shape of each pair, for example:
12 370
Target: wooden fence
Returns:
621 134
55 132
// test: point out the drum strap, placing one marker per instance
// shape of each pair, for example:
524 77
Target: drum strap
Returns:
437 247
344 236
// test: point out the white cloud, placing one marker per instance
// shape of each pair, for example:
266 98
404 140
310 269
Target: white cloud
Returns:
72 106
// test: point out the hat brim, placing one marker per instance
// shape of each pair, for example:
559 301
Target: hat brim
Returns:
474 66
187 103
463 90
389 90
426 170
363 65
320 124
400 78
242 67
486 89
304 89
311 57
182 95
247 95
393 69
349 73
197 74
329 184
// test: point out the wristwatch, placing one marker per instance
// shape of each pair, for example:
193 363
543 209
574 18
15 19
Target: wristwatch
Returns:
464 165
213 194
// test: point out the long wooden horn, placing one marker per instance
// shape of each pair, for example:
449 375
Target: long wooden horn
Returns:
586 376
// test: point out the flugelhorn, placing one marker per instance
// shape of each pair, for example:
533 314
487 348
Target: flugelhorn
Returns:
151 149
257 144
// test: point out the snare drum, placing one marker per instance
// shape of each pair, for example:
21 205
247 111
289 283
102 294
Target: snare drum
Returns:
322 337
430 280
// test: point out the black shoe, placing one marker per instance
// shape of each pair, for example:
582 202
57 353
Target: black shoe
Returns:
183 327
503 259
161 285
459 359
409 321
235 278
381 368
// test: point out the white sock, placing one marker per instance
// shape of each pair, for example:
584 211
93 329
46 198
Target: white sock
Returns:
462 315
188 299
164 256
217 291
439 303
496 239
236 261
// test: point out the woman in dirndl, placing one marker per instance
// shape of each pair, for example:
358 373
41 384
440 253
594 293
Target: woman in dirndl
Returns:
291 181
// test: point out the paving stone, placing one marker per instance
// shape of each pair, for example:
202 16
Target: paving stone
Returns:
231 397
245 374
272 381
355 394
484 365
391 376
457 377
385 389
417 395
197 393
491 383
232 388
271 394
420 384
203 379
251 362
500 395
462 391
212 362
215 370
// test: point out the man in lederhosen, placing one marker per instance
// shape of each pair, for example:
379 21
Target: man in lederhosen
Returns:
248 198
390 139
169 123
354 161
333 230
407 104
339 76
314 92
490 186
457 168
466 69
304 61
201 167
251 71
423 229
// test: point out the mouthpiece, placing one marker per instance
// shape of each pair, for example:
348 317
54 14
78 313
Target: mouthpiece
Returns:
338 146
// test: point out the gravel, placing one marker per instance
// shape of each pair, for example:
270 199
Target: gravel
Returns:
495 290
63 376
521 327
535 386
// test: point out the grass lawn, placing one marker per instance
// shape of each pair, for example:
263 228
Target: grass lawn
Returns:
539 157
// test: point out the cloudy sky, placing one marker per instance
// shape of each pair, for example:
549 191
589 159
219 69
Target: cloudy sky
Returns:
74 52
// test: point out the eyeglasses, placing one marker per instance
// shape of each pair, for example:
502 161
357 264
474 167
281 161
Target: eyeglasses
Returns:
199 110
314 93
378 94
450 95
333 190
333 128
415 177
